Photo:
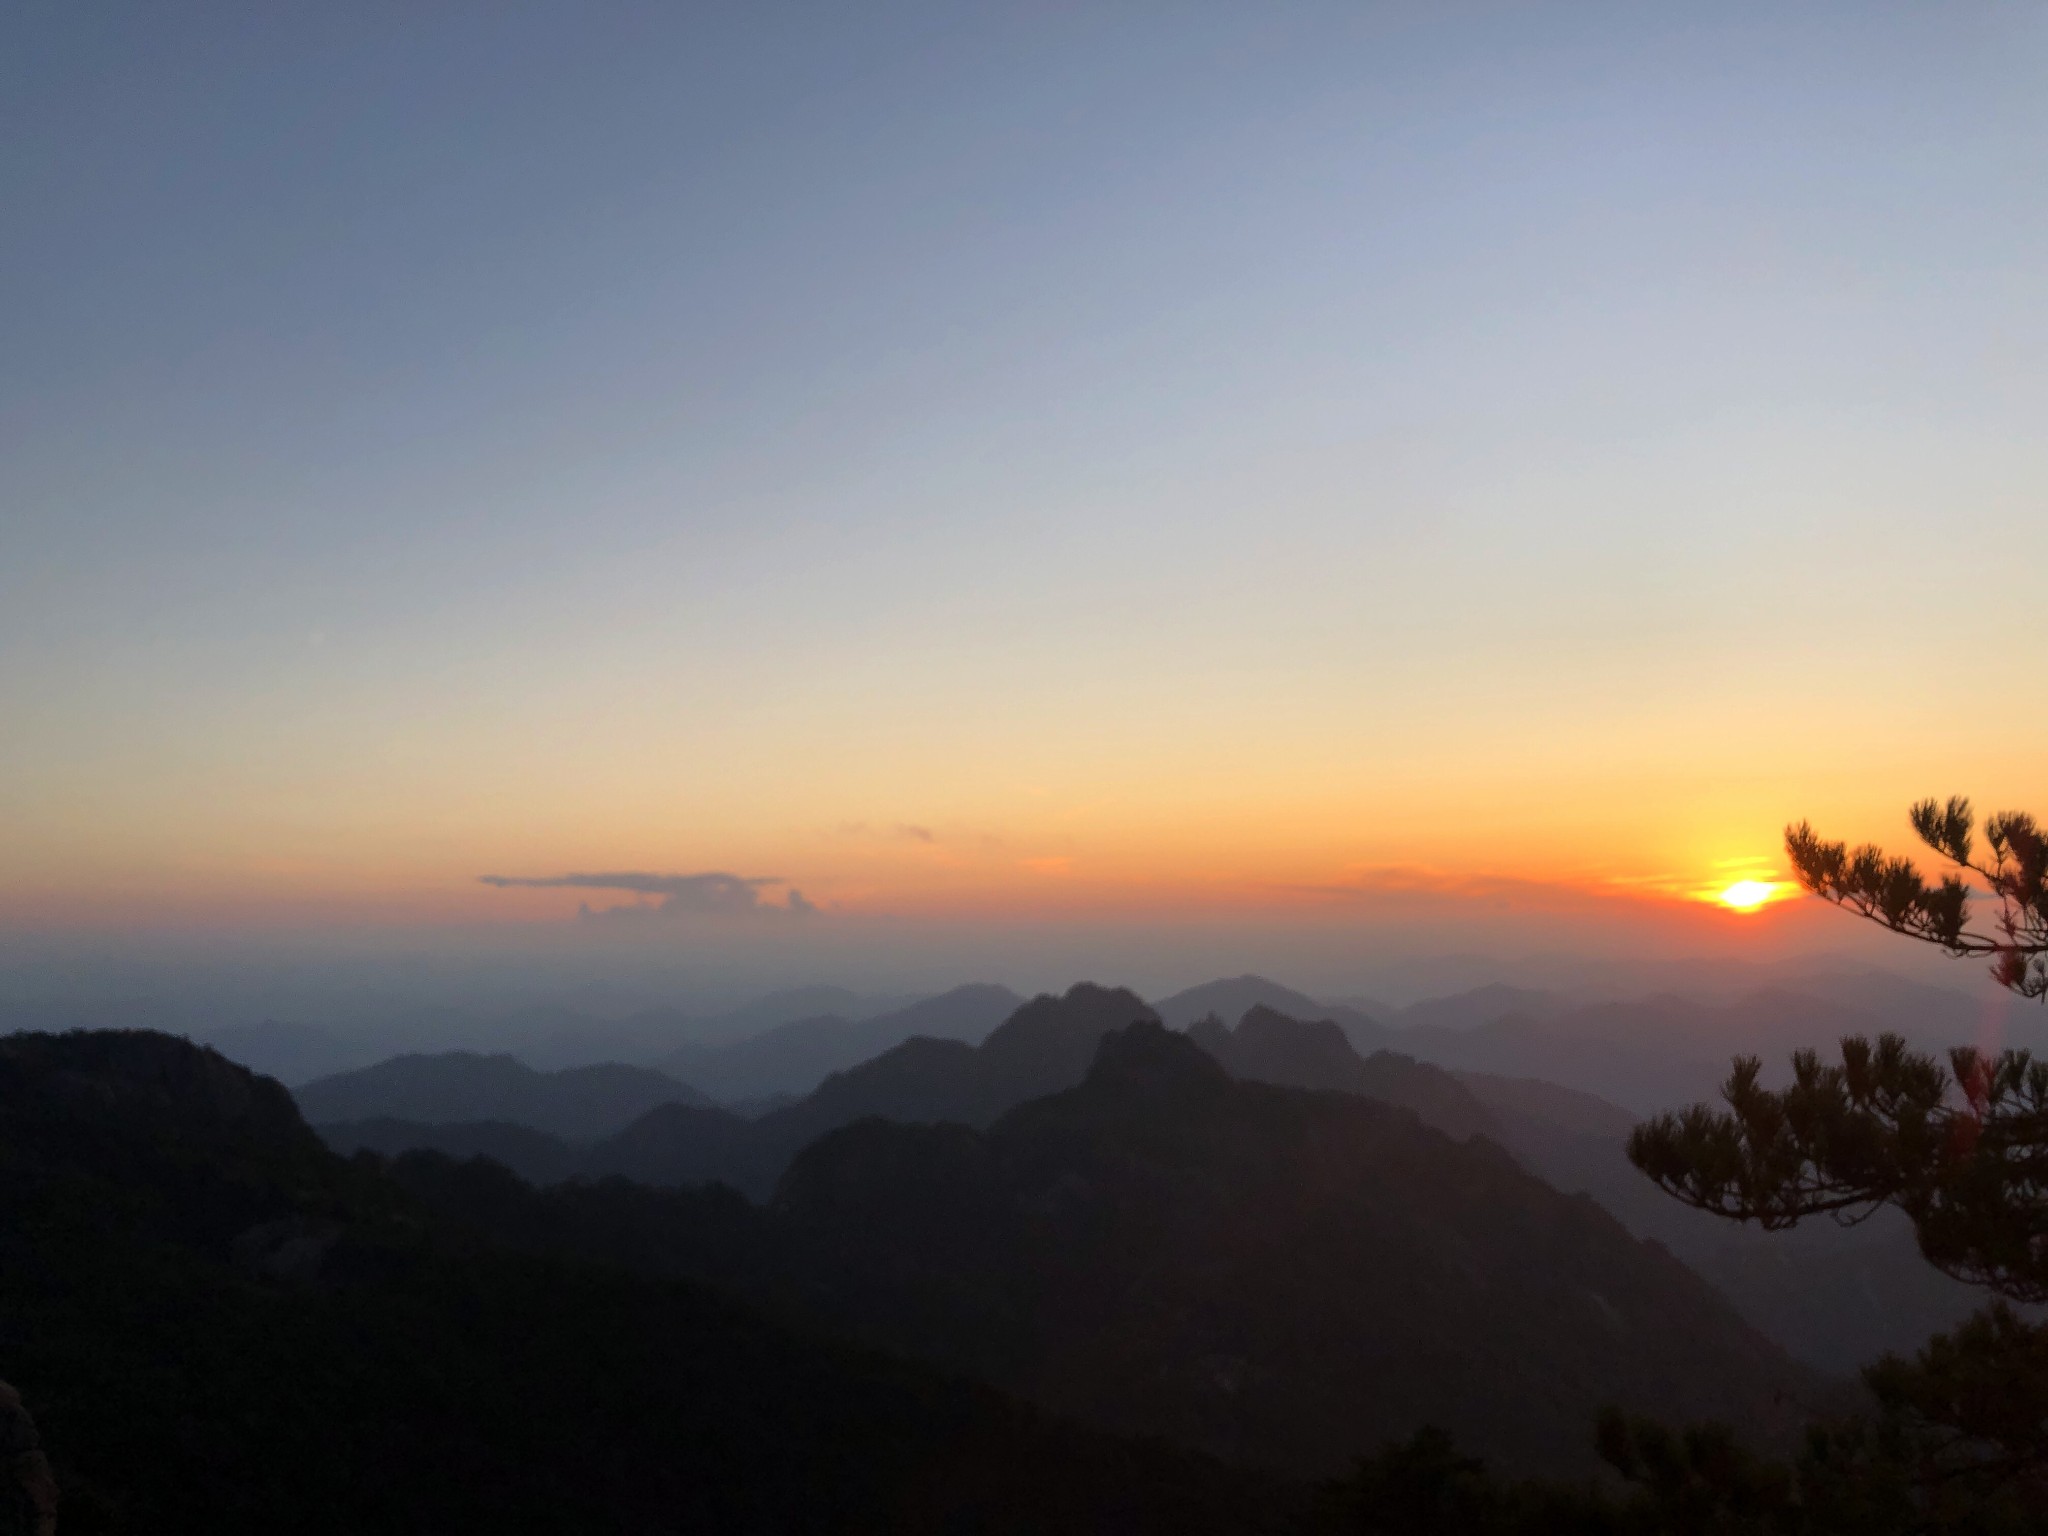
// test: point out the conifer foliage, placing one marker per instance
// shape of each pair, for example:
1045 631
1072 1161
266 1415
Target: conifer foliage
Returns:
1959 1442
1893 892
1961 1147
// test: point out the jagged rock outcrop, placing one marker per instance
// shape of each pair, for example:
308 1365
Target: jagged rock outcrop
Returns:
28 1489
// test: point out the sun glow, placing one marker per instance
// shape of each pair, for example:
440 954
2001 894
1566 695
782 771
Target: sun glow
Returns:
1747 895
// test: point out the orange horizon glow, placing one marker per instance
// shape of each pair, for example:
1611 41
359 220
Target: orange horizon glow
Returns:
1151 838
996 889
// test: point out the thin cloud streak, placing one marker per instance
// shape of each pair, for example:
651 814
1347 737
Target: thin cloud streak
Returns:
712 892
1410 881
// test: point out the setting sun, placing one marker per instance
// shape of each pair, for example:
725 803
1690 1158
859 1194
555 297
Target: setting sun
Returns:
1748 895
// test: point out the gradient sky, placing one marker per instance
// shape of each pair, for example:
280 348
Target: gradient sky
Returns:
1005 460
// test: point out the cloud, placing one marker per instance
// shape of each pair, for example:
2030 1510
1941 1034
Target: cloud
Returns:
712 892
898 832
1410 883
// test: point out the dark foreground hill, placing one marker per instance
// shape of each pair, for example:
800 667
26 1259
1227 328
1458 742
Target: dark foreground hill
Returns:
1276 1275
531 1154
221 1326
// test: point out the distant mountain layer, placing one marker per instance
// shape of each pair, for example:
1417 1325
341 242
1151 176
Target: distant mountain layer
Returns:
795 1057
1655 1053
1042 1047
1370 1028
576 1103
549 1037
770 1047
1836 1297
1478 1007
221 1326
1561 1109
1269 1047
1276 1275
1229 1000
1646 1053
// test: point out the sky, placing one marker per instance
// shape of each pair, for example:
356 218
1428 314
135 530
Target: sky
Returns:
645 469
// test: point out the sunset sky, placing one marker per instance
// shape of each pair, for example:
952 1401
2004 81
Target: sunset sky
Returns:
1004 463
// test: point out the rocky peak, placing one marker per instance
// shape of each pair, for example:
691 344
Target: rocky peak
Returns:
1150 1058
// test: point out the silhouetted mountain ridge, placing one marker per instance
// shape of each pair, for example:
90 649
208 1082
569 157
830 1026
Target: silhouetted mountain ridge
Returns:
225 1327
1275 1274
1836 1299
1043 1046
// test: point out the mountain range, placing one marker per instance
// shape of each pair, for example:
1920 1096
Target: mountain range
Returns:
1645 1053
1251 1242
219 1325
1230 998
1646 1050
796 1056
1276 1275
1042 1046
1836 1299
